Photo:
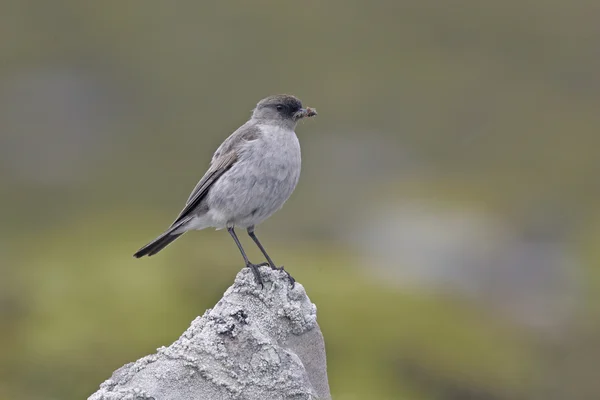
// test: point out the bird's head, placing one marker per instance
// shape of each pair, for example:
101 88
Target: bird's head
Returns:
282 109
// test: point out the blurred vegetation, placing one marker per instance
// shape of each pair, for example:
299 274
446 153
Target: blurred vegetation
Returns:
110 112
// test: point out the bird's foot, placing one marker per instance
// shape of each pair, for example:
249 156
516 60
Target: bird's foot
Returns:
256 272
290 277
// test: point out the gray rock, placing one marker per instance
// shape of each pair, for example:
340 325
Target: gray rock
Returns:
254 344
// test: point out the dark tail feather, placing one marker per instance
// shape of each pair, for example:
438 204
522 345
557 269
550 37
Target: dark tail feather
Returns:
156 245
160 242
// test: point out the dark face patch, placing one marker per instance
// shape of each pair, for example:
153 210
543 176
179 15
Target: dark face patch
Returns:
284 105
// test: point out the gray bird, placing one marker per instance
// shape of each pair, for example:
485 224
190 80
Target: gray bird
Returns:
251 175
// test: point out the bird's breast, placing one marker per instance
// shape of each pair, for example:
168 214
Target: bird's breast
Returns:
276 154
272 168
260 181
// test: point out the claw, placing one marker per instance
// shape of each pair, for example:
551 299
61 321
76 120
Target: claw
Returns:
256 272
290 277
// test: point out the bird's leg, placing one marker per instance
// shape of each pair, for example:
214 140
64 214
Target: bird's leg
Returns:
262 249
253 267
260 246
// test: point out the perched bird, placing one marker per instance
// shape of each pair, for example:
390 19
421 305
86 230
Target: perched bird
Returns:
251 175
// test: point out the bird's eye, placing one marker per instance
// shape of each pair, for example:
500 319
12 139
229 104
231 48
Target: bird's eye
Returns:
279 107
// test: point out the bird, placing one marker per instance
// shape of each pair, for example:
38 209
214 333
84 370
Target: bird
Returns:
251 175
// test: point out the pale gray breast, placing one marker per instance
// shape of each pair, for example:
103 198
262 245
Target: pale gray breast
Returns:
263 178
278 152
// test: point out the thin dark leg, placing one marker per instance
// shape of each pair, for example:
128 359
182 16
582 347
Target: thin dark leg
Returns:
262 249
253 267
260 246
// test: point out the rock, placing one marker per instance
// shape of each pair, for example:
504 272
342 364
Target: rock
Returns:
254 344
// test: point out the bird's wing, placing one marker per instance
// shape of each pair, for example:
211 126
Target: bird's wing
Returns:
214 172
223 159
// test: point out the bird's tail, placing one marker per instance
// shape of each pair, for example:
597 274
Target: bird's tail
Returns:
162 241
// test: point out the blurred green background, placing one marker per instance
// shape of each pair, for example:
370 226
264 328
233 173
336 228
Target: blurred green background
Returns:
446 223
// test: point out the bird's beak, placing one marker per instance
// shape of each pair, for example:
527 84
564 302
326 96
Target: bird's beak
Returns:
305 113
